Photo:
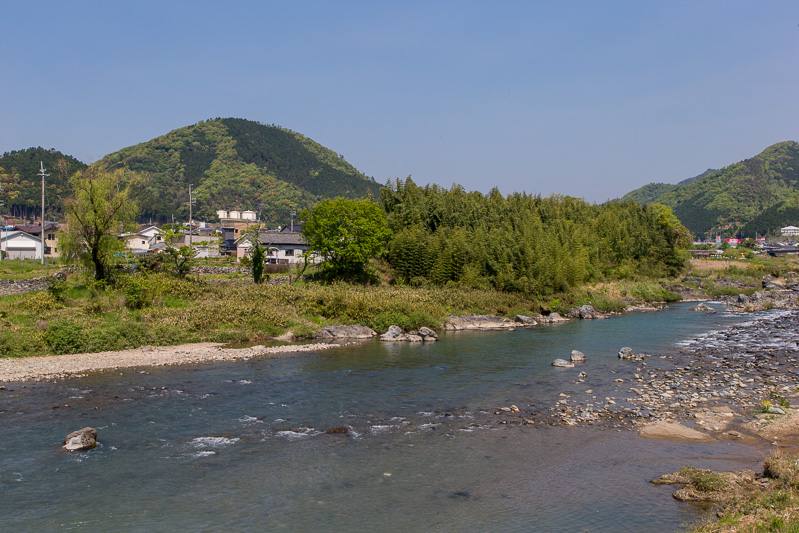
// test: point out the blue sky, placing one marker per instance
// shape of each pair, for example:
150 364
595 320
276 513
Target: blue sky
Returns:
589 99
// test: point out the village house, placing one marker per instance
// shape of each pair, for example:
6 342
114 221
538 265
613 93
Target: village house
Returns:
143 240
282 247
17 244
789 231
51 230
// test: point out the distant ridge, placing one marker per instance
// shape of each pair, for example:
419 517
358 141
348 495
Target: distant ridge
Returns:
234 163
21 186
754 194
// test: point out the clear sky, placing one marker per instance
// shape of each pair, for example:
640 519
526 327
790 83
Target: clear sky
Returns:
589 99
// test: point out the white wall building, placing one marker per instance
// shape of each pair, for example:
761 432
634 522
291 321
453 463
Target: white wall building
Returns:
20 245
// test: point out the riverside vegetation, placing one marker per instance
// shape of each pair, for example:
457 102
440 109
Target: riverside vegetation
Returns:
82 315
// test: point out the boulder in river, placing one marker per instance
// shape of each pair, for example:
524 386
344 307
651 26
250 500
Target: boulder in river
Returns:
82 439
701 308
578 357
562 363
393 334
428 334
626 353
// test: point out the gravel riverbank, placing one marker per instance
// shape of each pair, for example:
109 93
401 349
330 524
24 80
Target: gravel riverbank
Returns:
73 365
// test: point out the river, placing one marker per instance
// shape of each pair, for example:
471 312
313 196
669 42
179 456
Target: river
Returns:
242 445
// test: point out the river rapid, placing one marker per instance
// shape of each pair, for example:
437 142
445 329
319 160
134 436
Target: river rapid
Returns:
373 437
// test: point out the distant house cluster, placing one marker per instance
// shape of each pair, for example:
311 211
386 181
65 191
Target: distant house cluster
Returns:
284 245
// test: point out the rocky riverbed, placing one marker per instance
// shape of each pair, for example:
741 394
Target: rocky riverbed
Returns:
727 384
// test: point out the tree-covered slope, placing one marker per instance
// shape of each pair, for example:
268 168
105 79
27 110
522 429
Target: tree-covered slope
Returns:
22 185
236 164
728 199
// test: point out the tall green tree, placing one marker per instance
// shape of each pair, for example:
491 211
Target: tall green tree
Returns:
346 233
96 215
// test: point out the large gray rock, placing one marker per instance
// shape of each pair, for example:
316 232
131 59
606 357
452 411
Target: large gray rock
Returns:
584 312
562 363
479 322
428 334
578 357
550 318
394 334
82 439
626 353
701 308
355 331
526 320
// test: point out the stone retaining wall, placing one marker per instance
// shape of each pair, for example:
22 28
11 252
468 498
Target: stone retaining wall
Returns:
21 286
207 269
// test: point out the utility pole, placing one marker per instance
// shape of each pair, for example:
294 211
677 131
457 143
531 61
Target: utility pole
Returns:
42 174
191 203
293 213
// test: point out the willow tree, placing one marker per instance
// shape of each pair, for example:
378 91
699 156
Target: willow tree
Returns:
96 215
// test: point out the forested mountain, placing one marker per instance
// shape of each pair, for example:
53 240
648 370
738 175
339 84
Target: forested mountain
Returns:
649 194
525 243
22 185
737 198
235 164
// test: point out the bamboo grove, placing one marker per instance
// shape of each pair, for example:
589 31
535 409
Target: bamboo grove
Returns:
525 243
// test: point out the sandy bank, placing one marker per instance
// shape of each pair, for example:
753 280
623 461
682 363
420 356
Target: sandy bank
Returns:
58 366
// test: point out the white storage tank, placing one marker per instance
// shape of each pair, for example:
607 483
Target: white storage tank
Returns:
222 214
248 215
234 214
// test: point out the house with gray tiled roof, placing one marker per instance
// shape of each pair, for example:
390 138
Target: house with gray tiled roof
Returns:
281 248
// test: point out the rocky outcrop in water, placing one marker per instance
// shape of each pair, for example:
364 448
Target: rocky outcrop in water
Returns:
82 439
562 363
395 334
355 331
478 322
584 312
551 318
702 308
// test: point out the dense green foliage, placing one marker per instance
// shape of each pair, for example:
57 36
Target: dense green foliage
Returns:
729 200
236 164
525 243
21 184
346 233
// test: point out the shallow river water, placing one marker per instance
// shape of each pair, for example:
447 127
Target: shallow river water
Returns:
242 445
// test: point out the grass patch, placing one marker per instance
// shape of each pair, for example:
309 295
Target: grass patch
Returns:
704 480
774 507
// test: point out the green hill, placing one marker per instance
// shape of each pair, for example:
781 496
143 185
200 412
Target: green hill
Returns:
22 186
236 164
740 197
